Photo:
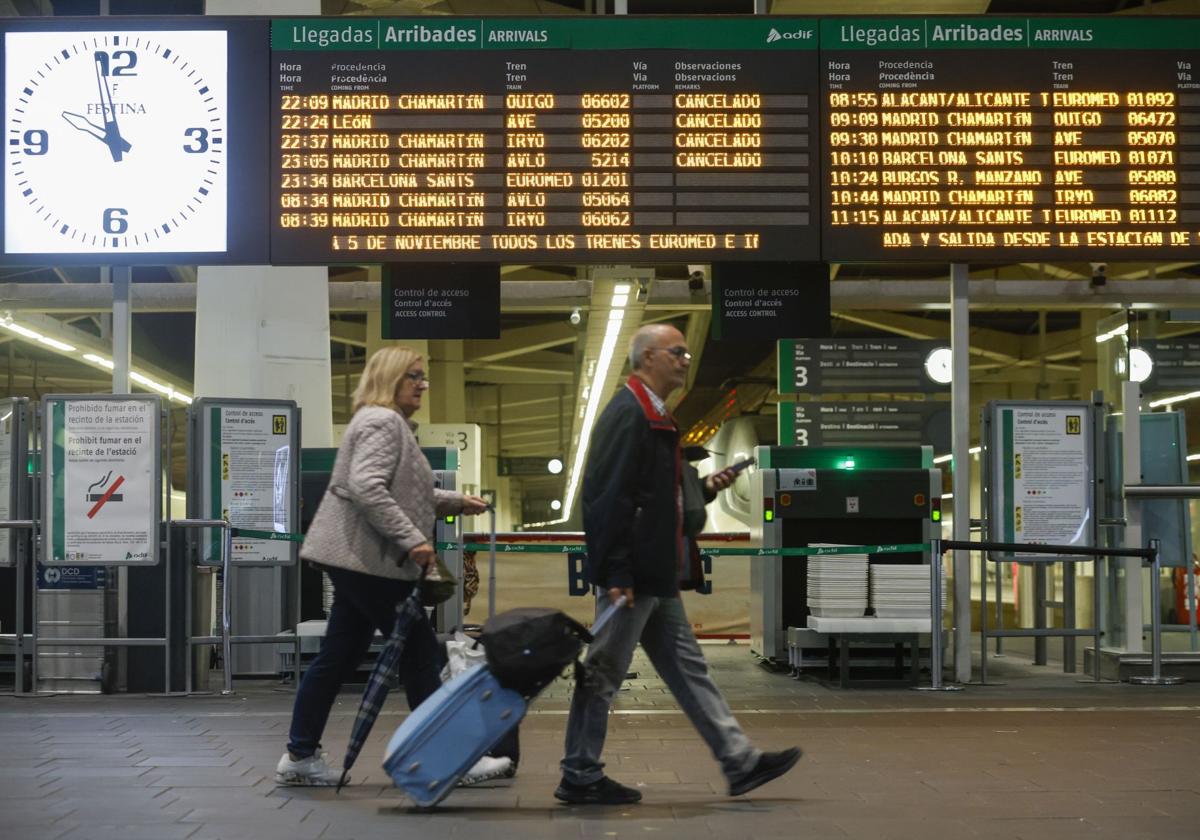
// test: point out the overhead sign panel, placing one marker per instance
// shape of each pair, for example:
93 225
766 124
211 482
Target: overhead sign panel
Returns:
865 424
861 366
1010 138
1176 365
132 141
544 140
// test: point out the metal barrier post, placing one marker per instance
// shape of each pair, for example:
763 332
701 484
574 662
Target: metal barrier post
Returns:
1156 676
226 601
935 622
226 552
18 640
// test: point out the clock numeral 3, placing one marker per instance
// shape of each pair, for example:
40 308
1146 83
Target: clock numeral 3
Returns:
200 136
115 67
115 221
37 141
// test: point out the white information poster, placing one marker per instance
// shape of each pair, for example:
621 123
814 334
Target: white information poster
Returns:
102 505
1043 474
7 443
467 438
249 478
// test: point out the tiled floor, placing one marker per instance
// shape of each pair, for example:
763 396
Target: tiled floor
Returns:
1043 756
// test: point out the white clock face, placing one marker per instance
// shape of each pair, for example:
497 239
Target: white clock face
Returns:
939 365
117 143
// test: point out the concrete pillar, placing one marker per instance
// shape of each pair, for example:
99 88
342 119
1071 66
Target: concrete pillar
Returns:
448 397
1089 376
263 332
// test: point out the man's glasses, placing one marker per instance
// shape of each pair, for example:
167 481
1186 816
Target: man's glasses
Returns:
677 352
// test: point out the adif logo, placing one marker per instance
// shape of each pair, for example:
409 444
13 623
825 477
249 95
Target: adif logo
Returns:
53 576
799 35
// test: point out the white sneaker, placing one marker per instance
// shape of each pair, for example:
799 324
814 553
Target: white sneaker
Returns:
313 771
486 769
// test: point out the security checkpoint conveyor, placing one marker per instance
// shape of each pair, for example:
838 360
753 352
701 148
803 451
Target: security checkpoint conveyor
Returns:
847 495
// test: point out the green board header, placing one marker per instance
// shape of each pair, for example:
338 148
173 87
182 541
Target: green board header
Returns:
974 33
733 33
577 33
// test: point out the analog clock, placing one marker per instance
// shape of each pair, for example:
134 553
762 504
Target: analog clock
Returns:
939 365
117 142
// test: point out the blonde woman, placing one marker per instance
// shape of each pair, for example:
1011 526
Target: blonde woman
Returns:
372 534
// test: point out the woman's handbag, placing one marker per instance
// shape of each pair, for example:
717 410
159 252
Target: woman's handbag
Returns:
439 584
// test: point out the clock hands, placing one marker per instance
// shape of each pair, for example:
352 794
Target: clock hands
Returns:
82 123
117 145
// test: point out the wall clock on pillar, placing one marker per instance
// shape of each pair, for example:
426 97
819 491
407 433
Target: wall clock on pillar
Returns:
117 142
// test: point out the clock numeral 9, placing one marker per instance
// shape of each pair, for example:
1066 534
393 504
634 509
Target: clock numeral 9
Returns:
37 140
200 138
117 69
115 221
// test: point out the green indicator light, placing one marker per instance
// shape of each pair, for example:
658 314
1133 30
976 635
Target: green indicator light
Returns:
937 516
769 515
846 464
450 519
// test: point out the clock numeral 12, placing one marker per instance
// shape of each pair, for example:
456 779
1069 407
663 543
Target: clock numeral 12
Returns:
117 69
115 221
37 140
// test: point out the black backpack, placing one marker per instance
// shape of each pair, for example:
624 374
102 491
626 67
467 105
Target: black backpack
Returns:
527 648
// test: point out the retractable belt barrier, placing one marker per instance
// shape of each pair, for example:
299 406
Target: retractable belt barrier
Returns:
1076 554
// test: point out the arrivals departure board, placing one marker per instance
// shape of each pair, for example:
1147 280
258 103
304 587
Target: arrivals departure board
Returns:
989 139
548 140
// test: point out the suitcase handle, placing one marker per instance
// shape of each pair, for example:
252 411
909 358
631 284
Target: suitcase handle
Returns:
492 561
607 615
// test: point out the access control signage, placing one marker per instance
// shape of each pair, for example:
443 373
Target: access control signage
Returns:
861 366
535 140
427 300
1042 468
769 300
865 424
249 475
544 139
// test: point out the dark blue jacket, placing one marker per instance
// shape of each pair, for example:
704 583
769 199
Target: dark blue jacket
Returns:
631 510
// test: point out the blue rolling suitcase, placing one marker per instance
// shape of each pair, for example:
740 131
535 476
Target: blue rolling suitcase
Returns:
440 741
449 732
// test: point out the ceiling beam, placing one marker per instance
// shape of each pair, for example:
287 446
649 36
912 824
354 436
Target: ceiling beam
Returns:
520 341
564 295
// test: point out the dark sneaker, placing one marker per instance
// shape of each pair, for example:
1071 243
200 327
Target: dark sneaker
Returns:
601 792
770 766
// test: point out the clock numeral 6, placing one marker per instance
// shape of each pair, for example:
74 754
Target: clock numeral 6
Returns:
115 221
200 138
36 141
115 68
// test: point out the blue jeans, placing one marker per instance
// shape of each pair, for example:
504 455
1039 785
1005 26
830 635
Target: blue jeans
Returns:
361 605
662 627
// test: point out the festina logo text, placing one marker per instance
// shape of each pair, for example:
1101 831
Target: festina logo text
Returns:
117 108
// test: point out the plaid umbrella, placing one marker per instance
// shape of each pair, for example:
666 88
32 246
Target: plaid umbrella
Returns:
384 677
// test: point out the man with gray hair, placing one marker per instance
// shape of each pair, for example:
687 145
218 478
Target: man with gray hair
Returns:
637 548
